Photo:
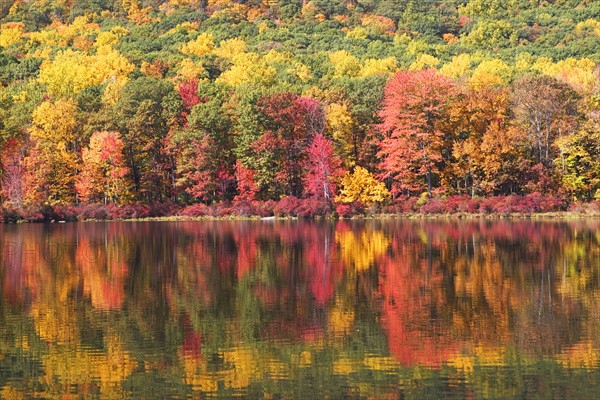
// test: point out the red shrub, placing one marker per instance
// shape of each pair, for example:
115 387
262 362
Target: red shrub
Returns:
31 214
287 206
220 210
488 205
312 207
433 206
404 204
265 208
343 210
128 211
166 209
92 211
195 210
463 203
60 213
546 203
243 208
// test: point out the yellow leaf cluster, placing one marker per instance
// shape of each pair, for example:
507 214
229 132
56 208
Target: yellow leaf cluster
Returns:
424 61
186 26
248 68
357 33
110 38
459 66
524 61
588 25
113 90
71 71
54 122
184 3
491 73
362 186
302 71
579 73
50 37
11 33
136 13
230 48
382 66
340 124
339 120
344 64
189 69
58 34
202 45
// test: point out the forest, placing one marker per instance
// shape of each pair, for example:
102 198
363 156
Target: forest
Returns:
138 108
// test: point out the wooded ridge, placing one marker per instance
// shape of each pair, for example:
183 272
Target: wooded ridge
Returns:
312 107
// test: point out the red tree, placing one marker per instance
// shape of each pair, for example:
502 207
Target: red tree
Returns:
291 123
202 173
413 113
11 167
103 176
188 91
323 169
245 180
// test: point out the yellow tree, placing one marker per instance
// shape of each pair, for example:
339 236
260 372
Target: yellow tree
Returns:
361 186
52 162
70 71
103 175
248 68
199 47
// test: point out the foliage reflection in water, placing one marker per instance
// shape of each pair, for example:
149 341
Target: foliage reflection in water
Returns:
371 309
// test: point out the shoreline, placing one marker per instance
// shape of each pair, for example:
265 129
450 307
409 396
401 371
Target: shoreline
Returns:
543 216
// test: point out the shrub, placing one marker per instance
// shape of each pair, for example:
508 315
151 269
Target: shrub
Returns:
343 210
60 213
10 216
128 211
434 206
265 208
165 209
220 210
287 206
243 208
93 211
312 207
31 214
195 210
487 205
403 205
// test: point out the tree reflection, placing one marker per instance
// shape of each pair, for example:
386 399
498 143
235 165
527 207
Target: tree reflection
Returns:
288 308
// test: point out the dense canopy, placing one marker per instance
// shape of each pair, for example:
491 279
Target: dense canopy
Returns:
217 101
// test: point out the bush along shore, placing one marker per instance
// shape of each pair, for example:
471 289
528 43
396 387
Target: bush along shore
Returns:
532 205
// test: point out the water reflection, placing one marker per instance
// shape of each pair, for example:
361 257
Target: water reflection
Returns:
376 309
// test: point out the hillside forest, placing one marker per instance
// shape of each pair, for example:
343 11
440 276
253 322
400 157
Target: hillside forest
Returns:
126 108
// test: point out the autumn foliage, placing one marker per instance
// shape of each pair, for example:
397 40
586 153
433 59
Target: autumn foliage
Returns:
343 106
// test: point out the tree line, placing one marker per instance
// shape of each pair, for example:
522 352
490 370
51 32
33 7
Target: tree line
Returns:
342 105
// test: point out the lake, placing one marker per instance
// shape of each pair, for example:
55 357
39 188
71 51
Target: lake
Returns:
300 310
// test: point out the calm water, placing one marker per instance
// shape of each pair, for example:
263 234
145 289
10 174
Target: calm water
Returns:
300 310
